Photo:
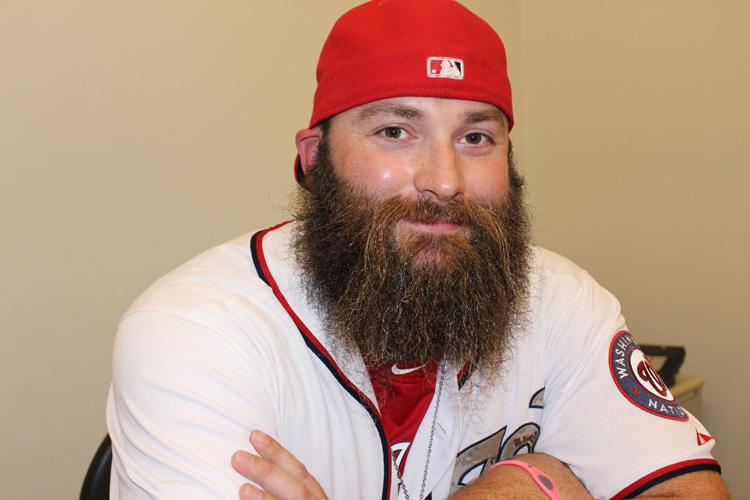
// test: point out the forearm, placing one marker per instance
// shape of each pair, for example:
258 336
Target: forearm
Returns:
510 483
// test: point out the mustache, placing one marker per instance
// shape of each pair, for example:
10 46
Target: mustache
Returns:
426 211
385 213
477 216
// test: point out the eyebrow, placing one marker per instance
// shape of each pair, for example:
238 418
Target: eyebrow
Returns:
407 112
484 115
412 113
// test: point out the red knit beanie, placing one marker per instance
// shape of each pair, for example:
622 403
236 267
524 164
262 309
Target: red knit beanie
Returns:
423 48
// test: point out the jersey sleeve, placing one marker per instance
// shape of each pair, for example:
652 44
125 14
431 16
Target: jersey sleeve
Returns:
606 412
183 399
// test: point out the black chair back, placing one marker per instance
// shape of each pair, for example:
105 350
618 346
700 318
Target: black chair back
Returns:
96 484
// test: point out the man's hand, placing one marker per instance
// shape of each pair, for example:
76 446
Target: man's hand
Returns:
276 470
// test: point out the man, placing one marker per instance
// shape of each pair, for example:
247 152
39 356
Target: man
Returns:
401 338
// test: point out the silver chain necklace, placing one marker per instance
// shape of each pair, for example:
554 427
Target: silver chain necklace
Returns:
429 445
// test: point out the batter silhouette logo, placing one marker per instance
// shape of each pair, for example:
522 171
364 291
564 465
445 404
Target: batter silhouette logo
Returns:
445 67
638 382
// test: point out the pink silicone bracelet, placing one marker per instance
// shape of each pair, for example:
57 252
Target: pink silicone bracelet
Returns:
542 480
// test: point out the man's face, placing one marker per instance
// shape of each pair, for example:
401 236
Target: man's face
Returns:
423 149
413 235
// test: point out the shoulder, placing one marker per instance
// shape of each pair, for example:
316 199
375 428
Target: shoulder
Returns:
551 268
216 276
215 301
573 316
561 289
224 283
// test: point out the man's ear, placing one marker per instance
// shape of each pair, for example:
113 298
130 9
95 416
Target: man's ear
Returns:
307 141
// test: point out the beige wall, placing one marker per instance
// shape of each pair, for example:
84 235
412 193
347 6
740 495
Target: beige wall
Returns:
135 134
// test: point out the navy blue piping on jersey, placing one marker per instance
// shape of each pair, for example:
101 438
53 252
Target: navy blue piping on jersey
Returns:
366 404
674 473
256 251
256 262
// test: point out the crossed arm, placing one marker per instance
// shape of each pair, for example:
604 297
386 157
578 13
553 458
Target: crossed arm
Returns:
281 476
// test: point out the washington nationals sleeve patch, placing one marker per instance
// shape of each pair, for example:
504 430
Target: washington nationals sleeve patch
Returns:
637 380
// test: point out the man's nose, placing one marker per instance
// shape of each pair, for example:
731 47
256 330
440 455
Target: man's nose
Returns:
440 175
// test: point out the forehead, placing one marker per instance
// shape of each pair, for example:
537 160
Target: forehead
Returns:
424 108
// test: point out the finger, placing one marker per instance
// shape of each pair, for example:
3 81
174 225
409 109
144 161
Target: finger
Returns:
271 478
271 450
250 492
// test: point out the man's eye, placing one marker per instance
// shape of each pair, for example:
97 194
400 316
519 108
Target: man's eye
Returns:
477 138
393 132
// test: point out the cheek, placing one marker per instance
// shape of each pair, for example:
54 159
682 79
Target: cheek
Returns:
375 173
489 184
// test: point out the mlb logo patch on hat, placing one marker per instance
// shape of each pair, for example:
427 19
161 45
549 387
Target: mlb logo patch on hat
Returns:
445 67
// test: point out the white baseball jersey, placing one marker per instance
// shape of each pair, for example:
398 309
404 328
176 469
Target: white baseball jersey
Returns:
228 343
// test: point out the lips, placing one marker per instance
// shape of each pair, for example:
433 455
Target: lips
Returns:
435 227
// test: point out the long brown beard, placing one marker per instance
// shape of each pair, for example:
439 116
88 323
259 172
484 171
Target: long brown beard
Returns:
419 297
